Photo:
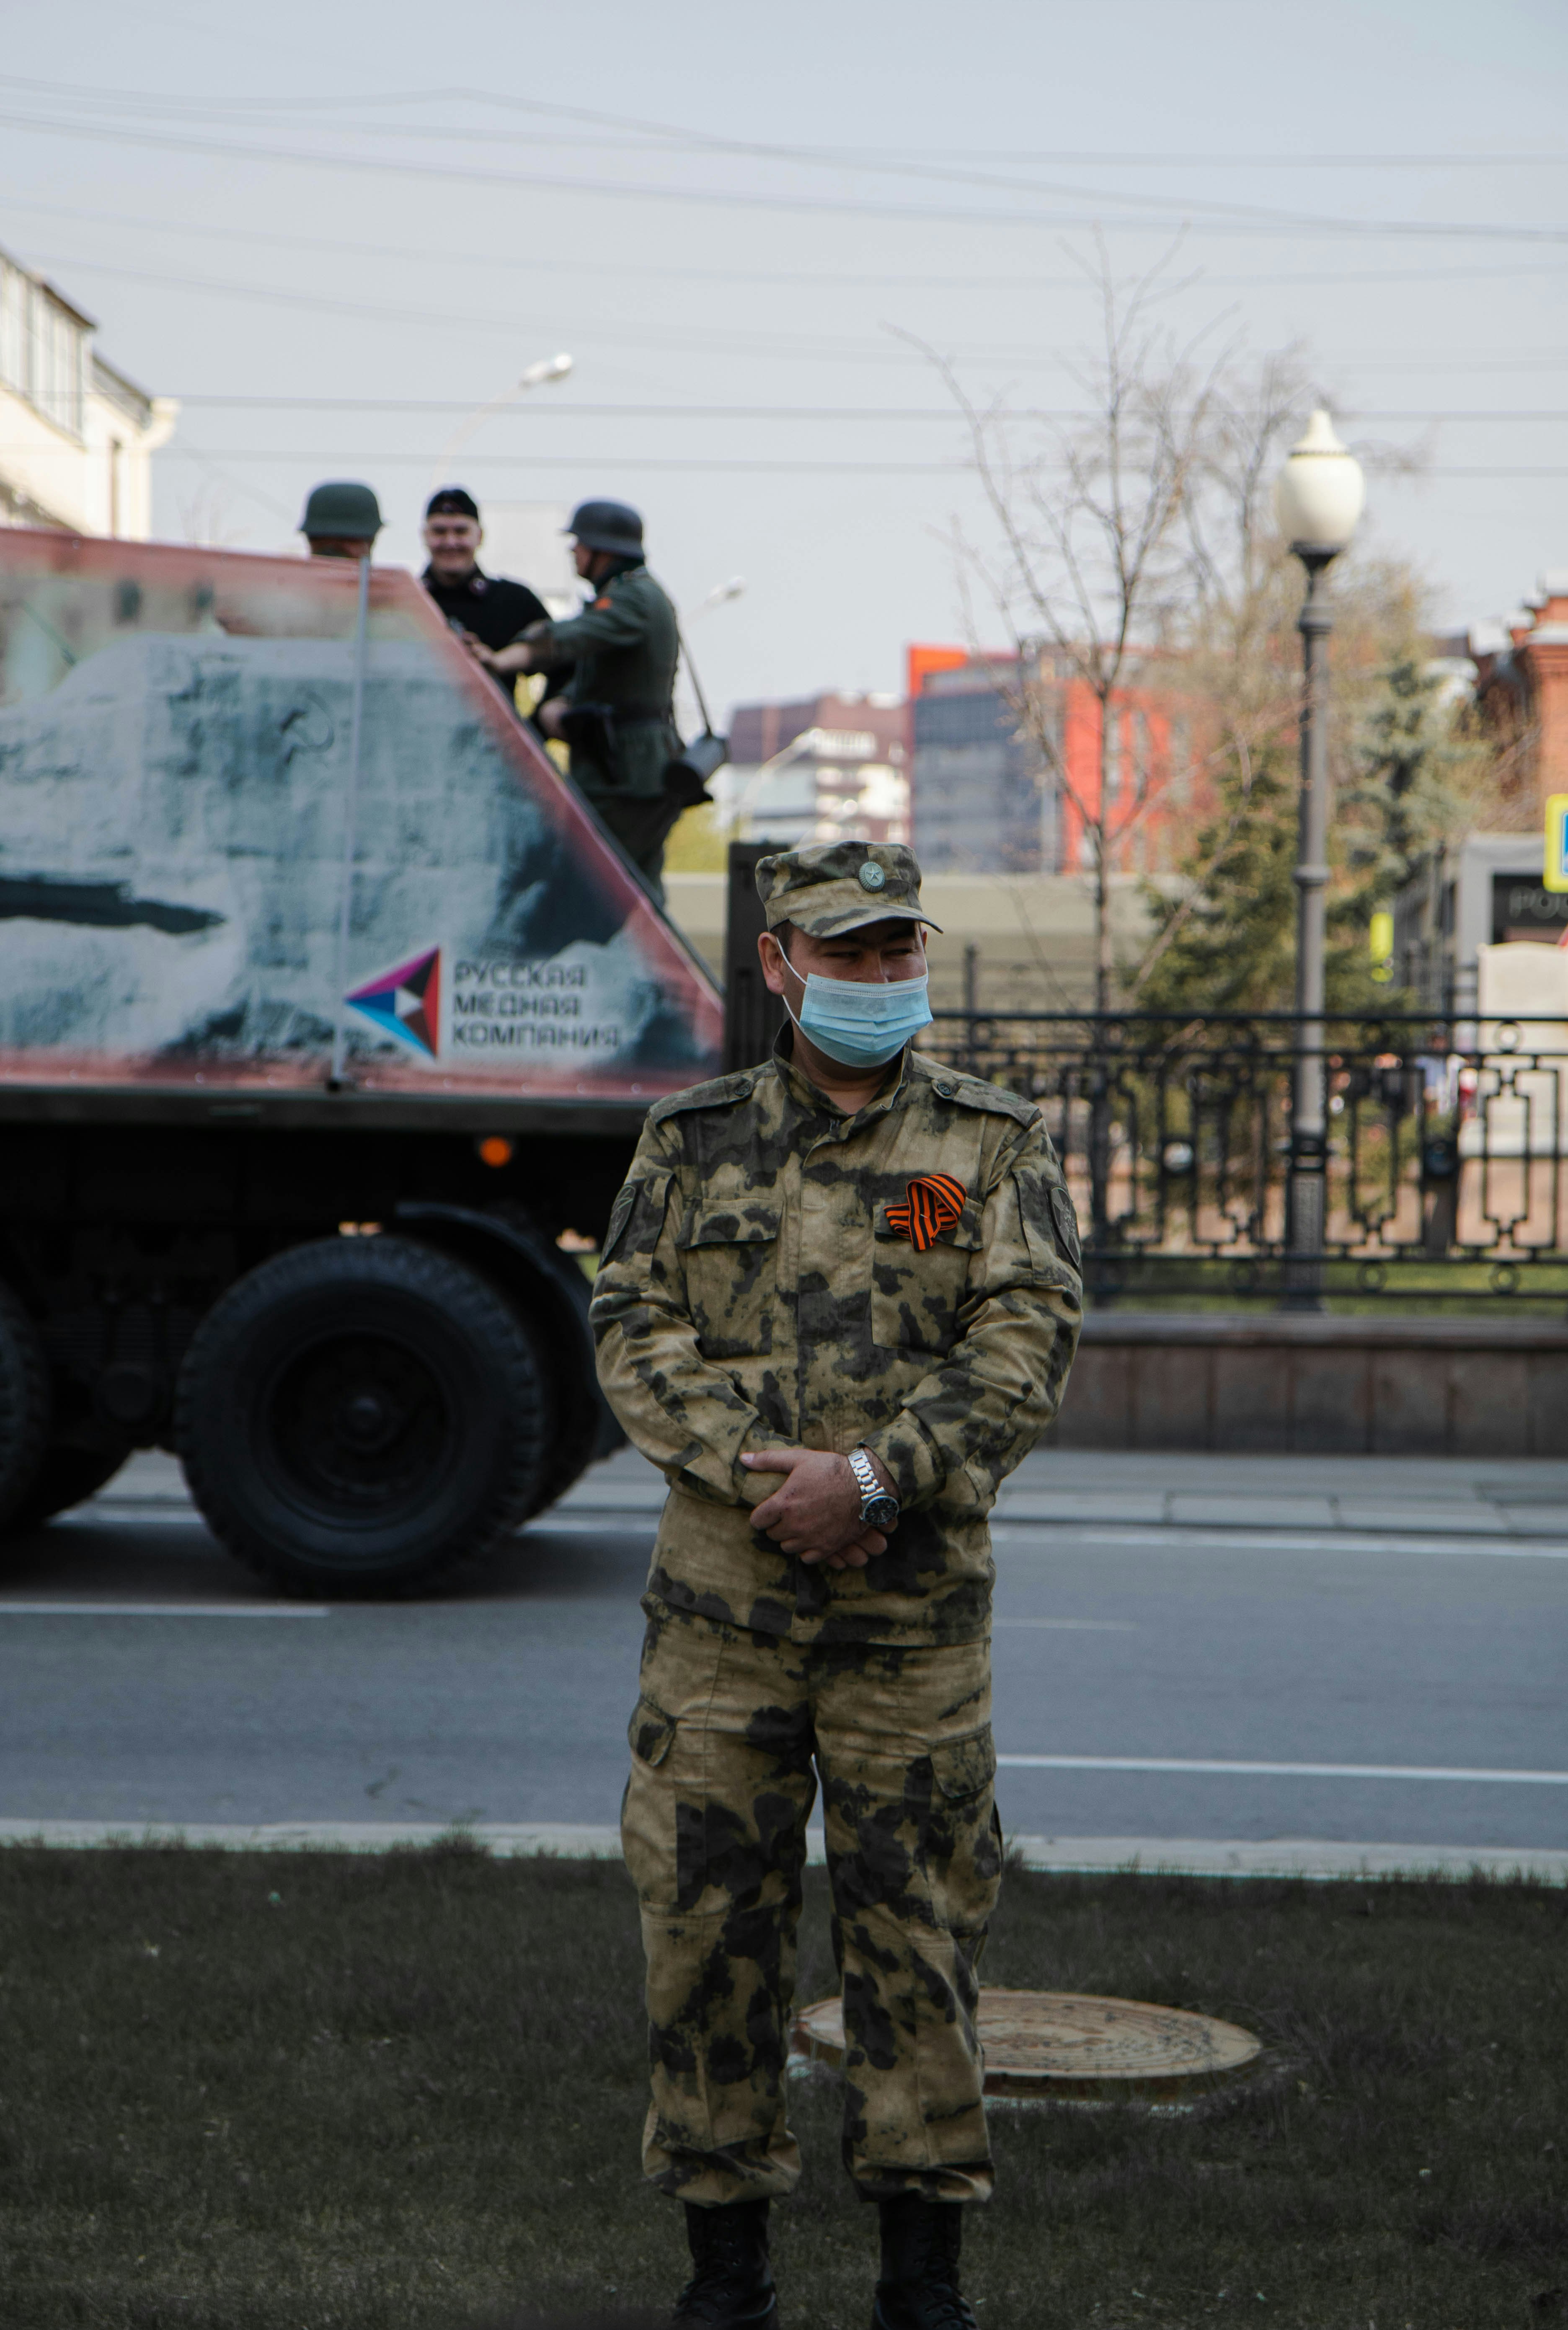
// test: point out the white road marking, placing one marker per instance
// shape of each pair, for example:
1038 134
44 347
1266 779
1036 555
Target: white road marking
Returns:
619 1524
1074 1625
1276 1771
1187 1537
164 1610
137 1516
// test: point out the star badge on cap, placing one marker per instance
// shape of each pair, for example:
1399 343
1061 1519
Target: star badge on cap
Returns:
872 876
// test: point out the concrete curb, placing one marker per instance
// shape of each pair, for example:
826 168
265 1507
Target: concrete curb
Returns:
1541 1528
1301 1857
1308 1857
565 1840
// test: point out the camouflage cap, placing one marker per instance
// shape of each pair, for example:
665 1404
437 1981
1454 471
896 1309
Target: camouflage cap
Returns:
841 885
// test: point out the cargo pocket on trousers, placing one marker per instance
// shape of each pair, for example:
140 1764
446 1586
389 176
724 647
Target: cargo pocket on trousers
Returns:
965 1860
650 1733
648 1809
963 1767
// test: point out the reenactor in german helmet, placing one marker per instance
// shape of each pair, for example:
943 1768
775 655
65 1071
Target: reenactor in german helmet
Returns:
837 1305
341 520
617 713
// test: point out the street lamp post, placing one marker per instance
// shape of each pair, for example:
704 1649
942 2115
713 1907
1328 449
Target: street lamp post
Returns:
1318 499
719 596
796 749
547 368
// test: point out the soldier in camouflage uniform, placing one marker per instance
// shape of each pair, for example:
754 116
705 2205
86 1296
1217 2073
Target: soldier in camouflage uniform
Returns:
837 1305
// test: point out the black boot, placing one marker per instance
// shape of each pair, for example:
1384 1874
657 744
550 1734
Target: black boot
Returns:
919 2287
732 2283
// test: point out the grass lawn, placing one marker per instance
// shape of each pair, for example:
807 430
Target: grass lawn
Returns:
321 2092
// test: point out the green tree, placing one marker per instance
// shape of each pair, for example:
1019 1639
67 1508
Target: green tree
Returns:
1406 775
1225 943
1416 777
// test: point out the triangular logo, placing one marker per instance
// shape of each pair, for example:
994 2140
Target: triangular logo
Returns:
407 1001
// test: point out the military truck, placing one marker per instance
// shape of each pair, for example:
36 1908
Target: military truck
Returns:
328 1018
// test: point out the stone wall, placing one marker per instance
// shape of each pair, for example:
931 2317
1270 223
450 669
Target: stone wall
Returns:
1280 1383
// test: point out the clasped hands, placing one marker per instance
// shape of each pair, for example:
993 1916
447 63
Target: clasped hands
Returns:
816 1510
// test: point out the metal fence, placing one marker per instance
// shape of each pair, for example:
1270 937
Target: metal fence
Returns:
1448 1148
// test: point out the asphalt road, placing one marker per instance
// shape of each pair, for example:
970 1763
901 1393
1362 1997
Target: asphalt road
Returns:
1399 1621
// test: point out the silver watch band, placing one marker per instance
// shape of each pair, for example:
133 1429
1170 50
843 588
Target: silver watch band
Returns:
866 1480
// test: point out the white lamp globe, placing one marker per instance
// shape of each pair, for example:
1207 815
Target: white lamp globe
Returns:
1320 492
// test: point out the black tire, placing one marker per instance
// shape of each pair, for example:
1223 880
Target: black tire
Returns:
67 1476
26 1404
551 1294
584 1429
360 1416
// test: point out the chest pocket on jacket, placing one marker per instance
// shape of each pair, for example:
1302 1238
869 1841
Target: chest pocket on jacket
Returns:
731 1255
916 1297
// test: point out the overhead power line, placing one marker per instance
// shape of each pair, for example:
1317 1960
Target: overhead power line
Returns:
795 346
792 346
446 258
1140 157
730 198
1275 158
741 464
561 410
858 160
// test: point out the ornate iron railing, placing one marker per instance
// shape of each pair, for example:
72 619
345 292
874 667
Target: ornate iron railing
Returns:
1448 1148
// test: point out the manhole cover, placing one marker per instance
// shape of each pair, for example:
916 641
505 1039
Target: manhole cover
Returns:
1056 2043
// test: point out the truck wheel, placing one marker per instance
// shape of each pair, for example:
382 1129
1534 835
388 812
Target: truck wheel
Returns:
583 1423
360 1416
25 1402
67 1476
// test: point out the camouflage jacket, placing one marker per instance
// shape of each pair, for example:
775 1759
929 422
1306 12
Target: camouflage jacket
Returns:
754 1293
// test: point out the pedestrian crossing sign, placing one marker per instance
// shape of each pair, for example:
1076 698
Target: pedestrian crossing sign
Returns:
1556 873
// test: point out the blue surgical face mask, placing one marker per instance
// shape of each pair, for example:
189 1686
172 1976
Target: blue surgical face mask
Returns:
860 1023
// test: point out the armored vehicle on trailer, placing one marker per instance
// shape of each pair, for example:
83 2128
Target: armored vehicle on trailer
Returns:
328 1018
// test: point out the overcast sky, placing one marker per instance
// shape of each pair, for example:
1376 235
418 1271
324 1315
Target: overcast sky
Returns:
333 229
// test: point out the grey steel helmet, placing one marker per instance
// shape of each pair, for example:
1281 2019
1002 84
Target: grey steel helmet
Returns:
342 512
607 525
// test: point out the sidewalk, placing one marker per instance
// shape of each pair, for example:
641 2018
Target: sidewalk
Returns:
1513 1498
1463 1497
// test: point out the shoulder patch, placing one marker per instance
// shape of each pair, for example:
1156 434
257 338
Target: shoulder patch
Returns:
719 1092
974 1092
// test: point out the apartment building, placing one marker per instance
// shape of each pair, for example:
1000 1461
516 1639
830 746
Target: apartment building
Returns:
817 767
76 436
994 792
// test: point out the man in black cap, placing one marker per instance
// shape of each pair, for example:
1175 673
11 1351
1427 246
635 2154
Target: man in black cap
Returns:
484 607
615 712
341 520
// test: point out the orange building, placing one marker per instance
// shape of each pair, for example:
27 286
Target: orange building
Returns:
993 791
1521 693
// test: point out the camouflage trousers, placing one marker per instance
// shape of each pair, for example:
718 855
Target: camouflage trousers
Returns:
726 1732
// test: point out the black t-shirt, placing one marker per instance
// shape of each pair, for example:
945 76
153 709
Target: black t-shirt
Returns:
492 608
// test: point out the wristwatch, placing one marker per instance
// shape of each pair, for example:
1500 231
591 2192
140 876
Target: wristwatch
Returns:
876 1505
